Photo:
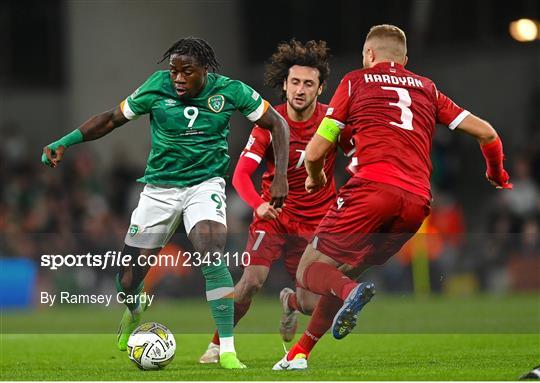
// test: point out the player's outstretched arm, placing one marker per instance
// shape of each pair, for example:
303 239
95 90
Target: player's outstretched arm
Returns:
492 149
272 121
95 127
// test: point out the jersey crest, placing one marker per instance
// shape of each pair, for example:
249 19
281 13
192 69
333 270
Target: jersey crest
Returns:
216 102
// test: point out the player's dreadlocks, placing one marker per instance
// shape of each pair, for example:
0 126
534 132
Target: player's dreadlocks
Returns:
196 48
313 54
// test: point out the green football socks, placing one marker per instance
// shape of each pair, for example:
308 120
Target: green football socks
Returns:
220 297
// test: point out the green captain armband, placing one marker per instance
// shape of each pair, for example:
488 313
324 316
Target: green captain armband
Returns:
329 129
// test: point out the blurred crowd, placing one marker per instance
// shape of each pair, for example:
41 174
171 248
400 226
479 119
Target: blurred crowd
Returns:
84 205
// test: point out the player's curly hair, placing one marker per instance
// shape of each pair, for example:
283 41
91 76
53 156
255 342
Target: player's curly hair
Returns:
313 54
195 47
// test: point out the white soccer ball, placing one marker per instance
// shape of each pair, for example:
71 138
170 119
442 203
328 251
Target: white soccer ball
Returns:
151 346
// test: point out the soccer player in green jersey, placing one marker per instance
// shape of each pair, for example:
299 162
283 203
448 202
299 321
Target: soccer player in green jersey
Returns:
190 107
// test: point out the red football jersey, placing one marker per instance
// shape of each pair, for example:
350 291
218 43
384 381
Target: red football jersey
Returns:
392 113
299 202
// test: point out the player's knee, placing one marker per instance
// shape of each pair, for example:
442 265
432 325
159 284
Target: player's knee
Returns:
307 258
208 237
300 275
252 285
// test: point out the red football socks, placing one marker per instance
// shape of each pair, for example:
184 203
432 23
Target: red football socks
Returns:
240 309
324 279
493 153
295 350
320 322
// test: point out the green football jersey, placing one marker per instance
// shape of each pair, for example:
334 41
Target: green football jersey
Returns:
189 136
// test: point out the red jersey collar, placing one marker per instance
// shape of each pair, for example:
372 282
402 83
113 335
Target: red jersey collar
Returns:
387 64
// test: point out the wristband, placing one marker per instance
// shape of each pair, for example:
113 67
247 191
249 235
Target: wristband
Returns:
493 153
69 139
72 138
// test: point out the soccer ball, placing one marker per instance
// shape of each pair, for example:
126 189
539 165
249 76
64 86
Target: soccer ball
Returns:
151 346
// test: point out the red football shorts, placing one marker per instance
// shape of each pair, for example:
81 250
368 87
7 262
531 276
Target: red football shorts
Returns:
369 222
270 239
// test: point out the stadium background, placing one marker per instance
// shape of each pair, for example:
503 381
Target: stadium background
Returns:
63 61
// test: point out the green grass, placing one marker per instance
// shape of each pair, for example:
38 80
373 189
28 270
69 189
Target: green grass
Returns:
486 314
358 357
479 338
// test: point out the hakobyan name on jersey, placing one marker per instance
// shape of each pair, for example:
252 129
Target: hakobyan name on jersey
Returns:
396 80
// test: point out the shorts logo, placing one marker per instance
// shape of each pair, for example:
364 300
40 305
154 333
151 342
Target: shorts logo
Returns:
216 103
340 202
219 204
133 230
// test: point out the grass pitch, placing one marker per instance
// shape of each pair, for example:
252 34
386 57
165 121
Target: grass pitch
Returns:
398 338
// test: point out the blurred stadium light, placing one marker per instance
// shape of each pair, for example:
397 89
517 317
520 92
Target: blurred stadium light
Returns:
524 30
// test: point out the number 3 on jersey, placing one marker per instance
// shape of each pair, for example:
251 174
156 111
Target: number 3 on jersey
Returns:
191 114
403 103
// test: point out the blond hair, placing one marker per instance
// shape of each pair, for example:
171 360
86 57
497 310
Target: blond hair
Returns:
389 41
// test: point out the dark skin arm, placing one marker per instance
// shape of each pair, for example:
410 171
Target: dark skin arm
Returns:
274 122
95 127
316 151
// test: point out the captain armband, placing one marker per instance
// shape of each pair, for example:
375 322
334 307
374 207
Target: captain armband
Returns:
330 129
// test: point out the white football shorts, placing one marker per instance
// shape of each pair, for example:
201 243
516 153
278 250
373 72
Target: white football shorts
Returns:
162 208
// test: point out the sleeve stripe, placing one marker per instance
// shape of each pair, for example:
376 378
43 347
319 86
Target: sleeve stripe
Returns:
258 113
315 242
126 110
458 119
353 164
351 152
253 156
